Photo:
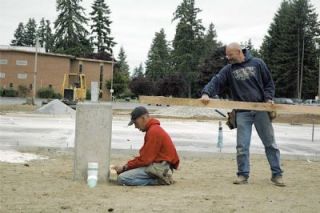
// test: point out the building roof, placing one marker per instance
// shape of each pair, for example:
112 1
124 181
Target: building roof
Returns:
41 51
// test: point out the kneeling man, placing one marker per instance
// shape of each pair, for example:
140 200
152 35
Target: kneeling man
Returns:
157 157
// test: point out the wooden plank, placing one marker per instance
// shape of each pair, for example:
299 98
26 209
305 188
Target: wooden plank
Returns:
223 104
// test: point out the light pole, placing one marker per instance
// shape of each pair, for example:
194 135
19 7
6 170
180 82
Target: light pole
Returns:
111 86
319 81
318 47
318 50
35 73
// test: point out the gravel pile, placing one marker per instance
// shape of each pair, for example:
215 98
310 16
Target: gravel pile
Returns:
56 107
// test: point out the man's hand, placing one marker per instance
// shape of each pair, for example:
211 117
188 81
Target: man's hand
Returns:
205 99
272 114
270 101
119 169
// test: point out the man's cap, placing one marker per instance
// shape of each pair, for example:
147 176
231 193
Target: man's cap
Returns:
136 113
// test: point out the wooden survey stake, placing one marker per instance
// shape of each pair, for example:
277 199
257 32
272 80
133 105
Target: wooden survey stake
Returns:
224 104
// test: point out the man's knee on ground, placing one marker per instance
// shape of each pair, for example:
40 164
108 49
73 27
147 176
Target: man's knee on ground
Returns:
122 179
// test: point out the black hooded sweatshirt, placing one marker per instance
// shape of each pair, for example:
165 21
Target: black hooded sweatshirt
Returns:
248 81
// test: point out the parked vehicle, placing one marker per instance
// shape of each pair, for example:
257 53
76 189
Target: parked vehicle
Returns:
283 101
312 102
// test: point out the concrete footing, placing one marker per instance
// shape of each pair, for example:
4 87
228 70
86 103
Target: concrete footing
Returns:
92 139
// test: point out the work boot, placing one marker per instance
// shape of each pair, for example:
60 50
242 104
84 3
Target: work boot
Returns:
166 180
278 181
241 180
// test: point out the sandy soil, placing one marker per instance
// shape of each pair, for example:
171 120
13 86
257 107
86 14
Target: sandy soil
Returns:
203 185
17 108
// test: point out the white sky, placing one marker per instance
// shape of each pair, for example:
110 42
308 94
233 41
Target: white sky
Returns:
136 21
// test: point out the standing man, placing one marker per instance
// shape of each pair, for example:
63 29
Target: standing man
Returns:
248 79
156 158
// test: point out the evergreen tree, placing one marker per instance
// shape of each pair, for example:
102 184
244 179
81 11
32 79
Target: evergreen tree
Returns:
30 33
289 49
211 66
70 32
48 37
158 62
248 45
44 34
122 63
138 71
121 74
41 32
188 42
120 83
19 36
101 30
210 42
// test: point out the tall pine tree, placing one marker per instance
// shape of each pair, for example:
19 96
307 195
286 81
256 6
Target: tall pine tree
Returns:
138 71
100 28
210 42
30 32
289 49
122 63
19 36
188 43
49 39
70 29
213 58
41 32
248 45
158 62
44 34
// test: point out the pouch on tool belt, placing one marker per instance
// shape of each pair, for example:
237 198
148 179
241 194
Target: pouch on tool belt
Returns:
159 170
272 115
232 121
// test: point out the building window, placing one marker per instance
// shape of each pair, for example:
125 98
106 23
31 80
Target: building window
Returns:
11 85
80 68
101 76
30 86
3 61
2 75
22 75
21 62
50 86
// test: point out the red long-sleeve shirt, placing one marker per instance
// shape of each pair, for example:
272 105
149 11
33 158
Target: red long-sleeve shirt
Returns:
157 147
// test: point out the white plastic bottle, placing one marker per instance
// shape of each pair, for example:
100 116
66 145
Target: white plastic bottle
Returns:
92 174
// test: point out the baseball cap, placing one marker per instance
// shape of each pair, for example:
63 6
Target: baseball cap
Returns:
136 113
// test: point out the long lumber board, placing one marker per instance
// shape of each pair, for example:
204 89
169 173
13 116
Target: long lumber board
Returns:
223 104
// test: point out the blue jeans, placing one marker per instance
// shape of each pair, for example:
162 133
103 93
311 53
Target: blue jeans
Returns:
136 177
263 125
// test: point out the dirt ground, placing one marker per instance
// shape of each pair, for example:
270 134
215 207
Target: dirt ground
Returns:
203 184
16 108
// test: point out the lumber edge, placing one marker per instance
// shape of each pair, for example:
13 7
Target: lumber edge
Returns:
225 104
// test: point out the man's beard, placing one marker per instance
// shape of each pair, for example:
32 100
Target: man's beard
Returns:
233 61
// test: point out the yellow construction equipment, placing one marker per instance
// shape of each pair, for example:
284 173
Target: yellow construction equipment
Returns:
74 88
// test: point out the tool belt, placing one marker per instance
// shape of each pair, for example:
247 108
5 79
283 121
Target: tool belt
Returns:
232 119
160 170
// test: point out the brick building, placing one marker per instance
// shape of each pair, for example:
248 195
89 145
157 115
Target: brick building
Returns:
17 68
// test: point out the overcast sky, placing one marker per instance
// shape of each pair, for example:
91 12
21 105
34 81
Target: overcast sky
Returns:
136 21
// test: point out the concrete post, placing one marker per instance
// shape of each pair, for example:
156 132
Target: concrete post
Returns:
94 91
92 139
